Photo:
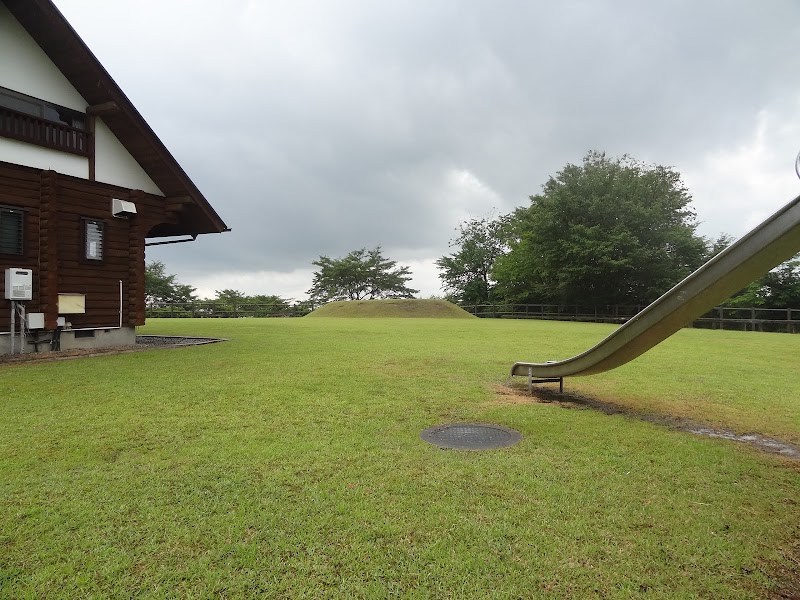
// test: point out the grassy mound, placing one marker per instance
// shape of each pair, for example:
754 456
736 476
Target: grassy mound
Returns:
413 308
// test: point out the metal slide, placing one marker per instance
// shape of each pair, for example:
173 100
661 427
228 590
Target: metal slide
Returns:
774 241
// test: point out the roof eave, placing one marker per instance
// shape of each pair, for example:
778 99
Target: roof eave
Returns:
65 48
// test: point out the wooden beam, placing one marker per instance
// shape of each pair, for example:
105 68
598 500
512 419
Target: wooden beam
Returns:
178 201
90 141
102 109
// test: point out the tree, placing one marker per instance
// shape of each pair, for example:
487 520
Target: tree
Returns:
159 287
783 285
466 274
780 288
274 303
229 301
610 231
230 297
718 245
362 274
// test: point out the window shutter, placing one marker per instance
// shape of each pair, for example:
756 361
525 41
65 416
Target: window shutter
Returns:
11 231
94 240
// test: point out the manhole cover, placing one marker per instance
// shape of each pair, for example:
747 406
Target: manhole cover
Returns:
471 436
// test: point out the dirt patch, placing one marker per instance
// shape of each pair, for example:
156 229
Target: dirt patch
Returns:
507 395
29 357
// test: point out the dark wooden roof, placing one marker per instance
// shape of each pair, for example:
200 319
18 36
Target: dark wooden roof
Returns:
48 27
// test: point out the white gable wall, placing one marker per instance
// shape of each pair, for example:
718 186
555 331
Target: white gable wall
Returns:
25 68
30 155
113 164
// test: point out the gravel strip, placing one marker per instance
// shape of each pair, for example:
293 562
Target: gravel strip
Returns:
172 340
143 342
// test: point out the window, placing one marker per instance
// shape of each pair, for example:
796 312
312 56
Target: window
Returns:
93 235
41 108
43 123
11 220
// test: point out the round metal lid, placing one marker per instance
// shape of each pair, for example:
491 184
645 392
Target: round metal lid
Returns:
471 436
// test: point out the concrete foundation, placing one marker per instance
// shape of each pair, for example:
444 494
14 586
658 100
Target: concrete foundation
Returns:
70 339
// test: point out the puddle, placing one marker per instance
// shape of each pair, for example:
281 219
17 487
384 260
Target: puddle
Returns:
766 444
759 441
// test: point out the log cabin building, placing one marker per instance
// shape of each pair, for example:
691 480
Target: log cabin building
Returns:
84 184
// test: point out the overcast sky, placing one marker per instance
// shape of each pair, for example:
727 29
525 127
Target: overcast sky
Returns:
316 128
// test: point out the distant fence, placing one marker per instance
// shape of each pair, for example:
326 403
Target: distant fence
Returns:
556 312
751 319
720 317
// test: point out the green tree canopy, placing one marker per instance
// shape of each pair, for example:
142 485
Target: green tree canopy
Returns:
276 302
466 274
230 297
780 288
609 231
783 284
259 305
160 287
362 274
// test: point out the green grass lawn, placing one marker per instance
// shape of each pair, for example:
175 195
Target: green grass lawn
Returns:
287 463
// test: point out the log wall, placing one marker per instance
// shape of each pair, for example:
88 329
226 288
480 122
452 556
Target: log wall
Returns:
56 207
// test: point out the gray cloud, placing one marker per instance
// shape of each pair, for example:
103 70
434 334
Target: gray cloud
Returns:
317 128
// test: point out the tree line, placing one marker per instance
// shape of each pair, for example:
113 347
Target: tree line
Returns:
162 288
605 232
362 274
610 231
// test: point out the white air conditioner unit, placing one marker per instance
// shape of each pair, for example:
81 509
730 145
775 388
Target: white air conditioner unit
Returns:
19 284
122 208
